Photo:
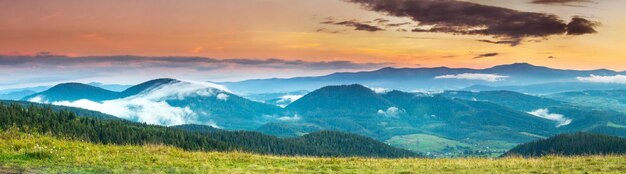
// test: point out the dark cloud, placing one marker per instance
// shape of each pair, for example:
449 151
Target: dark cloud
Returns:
359 26
325 30
513 43
560 2
198 63
398 24
420 38
381 20
467 18
486 55
580 26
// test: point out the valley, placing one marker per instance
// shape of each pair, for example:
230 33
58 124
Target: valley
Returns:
440 124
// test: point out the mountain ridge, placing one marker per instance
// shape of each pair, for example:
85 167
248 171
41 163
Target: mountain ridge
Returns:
420 78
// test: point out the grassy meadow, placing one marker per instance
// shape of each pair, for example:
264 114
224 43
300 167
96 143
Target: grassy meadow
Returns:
434 146
21 152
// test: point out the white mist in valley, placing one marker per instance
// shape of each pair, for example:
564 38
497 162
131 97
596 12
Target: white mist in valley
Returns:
151 106
545 113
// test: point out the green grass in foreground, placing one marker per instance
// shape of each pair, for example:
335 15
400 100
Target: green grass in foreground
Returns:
20 152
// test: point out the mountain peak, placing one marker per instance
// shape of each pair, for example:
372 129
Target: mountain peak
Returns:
354 99
70 84
517 65
351 87
147 85
74 91
73 86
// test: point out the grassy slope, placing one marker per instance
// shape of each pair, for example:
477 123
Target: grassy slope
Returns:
434 146
43 154
423 143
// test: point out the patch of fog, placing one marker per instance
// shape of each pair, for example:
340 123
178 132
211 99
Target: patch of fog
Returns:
287 99
619 79
151 107
212 124
545 113
393 112
222 96
474 76
37 99
380 90
427 92
288 118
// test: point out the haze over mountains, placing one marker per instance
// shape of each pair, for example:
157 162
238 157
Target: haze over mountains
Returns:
520 77
456 123
438 78
446 123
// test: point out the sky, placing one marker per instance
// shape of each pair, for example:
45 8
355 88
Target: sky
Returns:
125 42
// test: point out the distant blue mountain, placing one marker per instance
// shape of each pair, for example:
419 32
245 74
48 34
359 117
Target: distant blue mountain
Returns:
77 91
19 91
16 95
209 105
34 89
466 119
111 87
418 78
73 92
550 88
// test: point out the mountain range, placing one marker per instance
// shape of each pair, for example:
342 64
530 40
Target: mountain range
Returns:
19 93
164 101
445 123
80 124
488 122
438 78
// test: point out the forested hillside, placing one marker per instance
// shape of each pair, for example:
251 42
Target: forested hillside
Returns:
64 123
77 111
572 145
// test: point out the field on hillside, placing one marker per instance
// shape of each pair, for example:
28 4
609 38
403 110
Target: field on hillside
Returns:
433 146
20 152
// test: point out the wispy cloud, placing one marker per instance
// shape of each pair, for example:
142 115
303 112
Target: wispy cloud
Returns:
287 99
486 55
359 26
561 2
545 113
473 76
222 96
288 118
380 90
512 43
50 68
621 79
201 63
392 112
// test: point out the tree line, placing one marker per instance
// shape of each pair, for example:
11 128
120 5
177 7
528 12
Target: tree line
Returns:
573 144
64 123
